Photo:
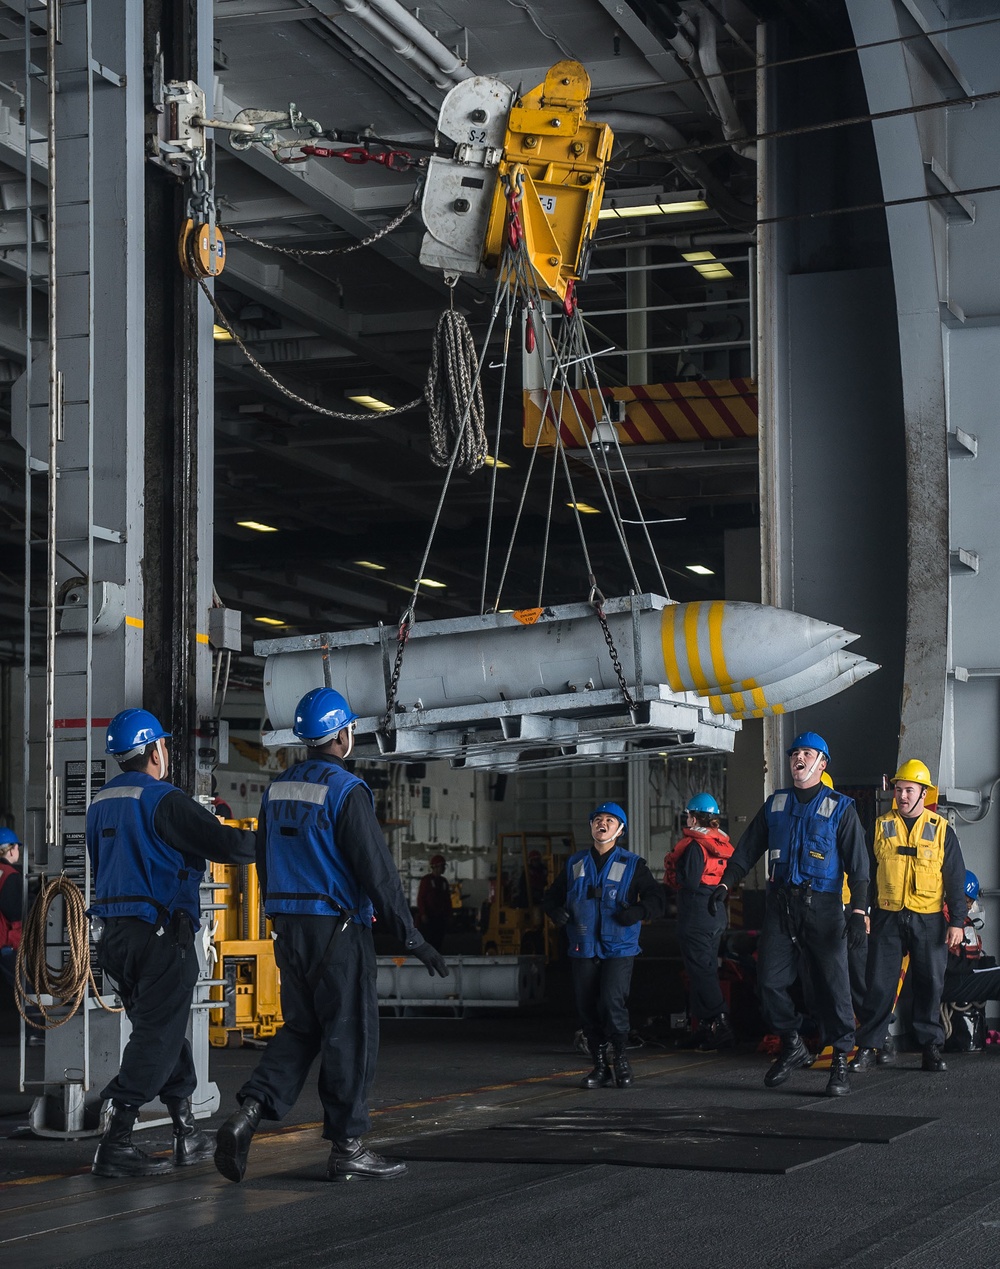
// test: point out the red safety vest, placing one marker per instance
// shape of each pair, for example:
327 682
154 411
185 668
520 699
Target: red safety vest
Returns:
715 847
10 931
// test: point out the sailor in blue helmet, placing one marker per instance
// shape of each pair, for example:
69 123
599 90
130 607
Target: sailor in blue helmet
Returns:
811 836
148 843
324 871
601 898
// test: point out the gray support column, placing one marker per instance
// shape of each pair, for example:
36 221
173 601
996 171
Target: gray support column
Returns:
916 234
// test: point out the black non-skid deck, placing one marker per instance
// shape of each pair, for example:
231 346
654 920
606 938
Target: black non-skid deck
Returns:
724 1139
902 1172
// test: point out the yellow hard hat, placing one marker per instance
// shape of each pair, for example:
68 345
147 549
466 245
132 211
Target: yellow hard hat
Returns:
826 779
914 770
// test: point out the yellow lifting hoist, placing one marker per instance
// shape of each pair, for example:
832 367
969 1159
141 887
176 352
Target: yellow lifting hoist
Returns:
526 169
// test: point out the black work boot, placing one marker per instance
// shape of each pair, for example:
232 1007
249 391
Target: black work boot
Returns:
793 1055
232 1141
838 1084
601 1076
117 1155
349 1159
620 1065
887 1054
933 1061
718 1034
191 1145
864 1059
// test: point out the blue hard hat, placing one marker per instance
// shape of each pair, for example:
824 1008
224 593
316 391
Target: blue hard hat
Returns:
133 729
9 838
971 885
610 808
703 802
810 740
320 714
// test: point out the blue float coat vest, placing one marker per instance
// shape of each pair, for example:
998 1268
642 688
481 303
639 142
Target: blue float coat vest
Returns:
591 899
802 840
136 873
306 875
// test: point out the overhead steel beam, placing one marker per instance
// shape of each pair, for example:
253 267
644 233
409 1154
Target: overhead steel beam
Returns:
342 473
270 283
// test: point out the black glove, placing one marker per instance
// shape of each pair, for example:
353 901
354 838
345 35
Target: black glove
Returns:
559 917
428 955
854 930
719 895
632 915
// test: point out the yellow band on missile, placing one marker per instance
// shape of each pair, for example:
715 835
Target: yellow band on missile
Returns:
759 699
716 612
668 637
691 644
715 705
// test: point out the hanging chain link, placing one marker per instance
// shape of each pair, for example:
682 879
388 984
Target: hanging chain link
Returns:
368 417
387 228
405 623
597 601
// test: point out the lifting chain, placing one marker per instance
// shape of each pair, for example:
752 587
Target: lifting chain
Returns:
391 160
387 228
367 417
405 624
597 602
201 248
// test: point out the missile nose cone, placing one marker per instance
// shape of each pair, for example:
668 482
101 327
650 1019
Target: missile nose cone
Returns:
722 646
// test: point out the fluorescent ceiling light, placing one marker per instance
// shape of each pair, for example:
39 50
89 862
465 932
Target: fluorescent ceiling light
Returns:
370 402
257 526
498 463
376 568
661 207
221 335
701 570
584 508
711 268
431 583
269 621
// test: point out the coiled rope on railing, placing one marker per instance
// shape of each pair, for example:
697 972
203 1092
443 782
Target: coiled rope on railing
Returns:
66 986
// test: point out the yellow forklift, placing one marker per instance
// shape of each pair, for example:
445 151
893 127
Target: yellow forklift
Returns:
526 865
249 1009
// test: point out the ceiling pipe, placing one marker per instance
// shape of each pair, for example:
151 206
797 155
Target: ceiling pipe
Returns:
708 55
397 41
683 242
665 137
410 39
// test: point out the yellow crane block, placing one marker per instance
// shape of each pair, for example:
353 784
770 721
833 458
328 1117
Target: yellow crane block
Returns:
554 163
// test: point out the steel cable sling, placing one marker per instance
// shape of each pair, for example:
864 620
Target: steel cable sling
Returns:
68 985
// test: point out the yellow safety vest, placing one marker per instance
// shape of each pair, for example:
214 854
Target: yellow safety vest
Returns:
910 863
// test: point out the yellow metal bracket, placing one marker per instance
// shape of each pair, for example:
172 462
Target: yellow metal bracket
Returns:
552 180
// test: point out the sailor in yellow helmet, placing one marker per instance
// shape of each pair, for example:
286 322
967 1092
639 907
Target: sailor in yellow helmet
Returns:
918 864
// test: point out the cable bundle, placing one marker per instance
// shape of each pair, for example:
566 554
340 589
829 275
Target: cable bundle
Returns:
68 985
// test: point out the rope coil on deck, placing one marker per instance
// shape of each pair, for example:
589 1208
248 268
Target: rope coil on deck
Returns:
67 985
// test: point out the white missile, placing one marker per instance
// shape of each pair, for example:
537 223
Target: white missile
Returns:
839 684
480 663
759 701
721 646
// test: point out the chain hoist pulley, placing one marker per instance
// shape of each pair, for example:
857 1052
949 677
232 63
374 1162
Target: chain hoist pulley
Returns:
201 247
